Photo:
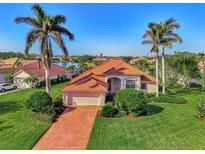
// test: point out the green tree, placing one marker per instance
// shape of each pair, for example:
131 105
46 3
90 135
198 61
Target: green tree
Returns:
168 37
143 64
151 37
188 69
44 29
9 77
31 81
18 64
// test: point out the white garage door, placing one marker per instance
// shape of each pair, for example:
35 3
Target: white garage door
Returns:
86 100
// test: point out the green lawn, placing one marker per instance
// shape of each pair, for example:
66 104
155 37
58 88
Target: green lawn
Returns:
175 127
17 129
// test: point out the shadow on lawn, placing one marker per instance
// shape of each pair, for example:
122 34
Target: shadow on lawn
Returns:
153 109
9 106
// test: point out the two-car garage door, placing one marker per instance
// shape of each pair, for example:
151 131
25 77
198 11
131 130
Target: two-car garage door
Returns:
76 98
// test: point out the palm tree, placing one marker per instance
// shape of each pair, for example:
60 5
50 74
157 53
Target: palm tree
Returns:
151 37
167 38
44 29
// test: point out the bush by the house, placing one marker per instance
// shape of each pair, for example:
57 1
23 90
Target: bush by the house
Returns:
58 106
201 110
108 110
170 99
130 100
150 96
40 102
121 114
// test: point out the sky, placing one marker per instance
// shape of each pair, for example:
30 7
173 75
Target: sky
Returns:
110 29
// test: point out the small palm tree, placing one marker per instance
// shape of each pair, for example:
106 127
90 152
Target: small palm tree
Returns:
71 69
44 29
168 37
31 81
151 37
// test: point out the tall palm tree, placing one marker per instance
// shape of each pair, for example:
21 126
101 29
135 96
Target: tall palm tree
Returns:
168 37
45 28
151 37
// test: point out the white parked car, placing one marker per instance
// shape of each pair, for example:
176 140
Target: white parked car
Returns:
7 86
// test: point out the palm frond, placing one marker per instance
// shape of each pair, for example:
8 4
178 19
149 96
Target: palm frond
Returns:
63 31
38 11
27 20
31 39
58 19
148 42
59 41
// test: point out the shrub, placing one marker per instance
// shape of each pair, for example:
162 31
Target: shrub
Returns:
201 110
150 96
58 106
121 114
170 99
108 110
40 102
129 100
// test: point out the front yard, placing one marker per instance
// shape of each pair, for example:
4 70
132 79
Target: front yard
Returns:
175 127
18 130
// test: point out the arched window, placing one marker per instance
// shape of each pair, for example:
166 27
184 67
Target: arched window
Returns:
130 84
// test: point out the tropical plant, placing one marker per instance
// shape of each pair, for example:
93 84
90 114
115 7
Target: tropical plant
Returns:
71 68
9 77
18 64
188 69
31 81
168 37
143 64
44 29
151 37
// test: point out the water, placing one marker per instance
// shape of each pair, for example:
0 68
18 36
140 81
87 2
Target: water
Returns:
65 64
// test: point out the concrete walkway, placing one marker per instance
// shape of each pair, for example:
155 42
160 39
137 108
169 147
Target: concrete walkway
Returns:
71 131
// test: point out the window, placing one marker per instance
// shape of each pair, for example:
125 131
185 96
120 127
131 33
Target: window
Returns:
143 86
130 84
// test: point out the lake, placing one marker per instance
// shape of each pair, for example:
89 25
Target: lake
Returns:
65 64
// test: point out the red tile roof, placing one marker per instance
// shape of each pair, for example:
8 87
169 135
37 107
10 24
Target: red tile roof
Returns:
36 68
94 79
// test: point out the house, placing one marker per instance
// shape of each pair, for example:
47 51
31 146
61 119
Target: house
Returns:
92 86
36 69
8 66
99 59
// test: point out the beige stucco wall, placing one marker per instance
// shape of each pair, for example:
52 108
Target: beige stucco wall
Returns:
19 80
151 88
83 98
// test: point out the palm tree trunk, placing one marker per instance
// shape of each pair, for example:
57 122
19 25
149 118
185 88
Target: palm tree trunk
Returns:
157 76
163 73
48 81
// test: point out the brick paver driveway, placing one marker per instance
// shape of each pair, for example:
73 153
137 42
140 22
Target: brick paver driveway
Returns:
71 131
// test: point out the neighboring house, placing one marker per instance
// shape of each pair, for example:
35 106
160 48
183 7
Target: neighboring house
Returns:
8 66
92 86
99 59
36 68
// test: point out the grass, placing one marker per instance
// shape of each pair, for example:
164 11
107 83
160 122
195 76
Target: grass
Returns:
174 127
17 129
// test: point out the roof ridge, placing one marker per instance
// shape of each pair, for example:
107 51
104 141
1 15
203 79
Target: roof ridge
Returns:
90 71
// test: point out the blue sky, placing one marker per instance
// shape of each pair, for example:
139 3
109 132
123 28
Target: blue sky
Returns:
111 29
